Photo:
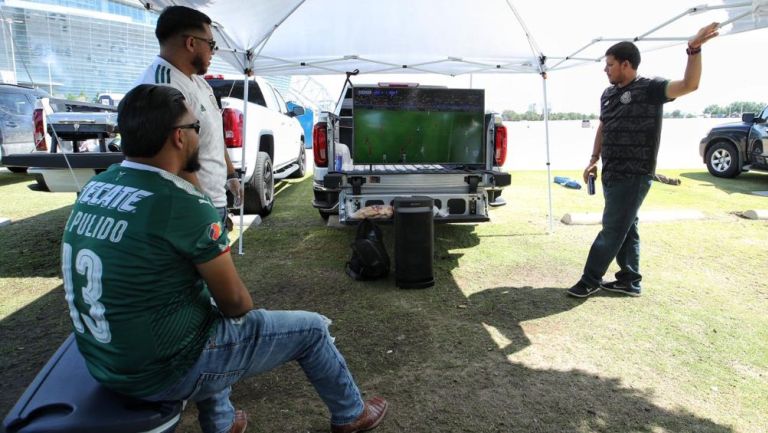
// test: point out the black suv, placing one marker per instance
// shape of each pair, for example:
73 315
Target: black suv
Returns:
732 148
16 126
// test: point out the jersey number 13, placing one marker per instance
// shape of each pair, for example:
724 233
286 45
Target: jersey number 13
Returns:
88 264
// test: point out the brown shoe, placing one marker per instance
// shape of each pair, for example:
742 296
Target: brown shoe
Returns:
373 413
241 422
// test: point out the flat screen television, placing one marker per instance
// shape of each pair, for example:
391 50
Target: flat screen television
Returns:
412 125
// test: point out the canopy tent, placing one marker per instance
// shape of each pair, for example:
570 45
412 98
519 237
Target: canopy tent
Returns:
314 37
454 37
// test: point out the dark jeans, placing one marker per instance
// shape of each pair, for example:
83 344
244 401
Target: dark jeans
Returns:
619 238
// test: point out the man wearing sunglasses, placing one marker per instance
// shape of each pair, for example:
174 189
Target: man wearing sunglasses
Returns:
186 49
144 256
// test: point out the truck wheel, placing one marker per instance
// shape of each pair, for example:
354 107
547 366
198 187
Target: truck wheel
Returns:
723 160
302 161
260 190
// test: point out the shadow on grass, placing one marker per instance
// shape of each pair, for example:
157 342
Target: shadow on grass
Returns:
31 247
28 337
429 352
745 183
8 178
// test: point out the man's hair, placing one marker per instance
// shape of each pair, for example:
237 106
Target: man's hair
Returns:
175 20
146 116
625 51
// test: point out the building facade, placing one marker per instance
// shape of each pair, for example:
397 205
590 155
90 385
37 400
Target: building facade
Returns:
82 48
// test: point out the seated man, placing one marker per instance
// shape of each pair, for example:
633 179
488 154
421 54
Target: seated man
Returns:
143 258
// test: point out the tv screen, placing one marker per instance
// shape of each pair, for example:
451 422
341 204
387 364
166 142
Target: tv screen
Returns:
411 125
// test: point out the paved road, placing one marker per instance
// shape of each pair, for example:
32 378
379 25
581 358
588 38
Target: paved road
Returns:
571 144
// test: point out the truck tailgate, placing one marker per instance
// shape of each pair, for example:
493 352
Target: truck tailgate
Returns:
56 160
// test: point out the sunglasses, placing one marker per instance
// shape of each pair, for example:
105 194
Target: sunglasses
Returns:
211 42
195 126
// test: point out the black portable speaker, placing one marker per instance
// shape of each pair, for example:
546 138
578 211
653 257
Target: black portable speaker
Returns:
414 242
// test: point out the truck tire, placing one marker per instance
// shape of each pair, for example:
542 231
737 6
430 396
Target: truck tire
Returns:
260 189
302 161
723 160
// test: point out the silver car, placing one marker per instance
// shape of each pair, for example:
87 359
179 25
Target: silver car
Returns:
16 126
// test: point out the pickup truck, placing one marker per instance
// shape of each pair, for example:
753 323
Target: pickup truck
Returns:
275 148
16 106
732 148
79 129
385 141
275 140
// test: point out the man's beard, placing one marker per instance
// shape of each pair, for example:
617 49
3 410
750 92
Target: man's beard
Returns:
193 162
199 65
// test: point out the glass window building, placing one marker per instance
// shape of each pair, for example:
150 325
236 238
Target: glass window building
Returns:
75 48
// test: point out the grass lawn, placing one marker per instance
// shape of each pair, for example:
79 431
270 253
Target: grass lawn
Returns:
495 345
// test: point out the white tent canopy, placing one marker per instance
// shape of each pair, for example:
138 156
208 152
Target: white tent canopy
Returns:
453 37
450 37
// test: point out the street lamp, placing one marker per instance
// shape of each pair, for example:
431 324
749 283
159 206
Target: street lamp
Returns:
10 22
49 60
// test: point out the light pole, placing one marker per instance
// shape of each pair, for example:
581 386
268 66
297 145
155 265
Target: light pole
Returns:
13 52
48 61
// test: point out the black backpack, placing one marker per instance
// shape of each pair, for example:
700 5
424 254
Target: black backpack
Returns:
369 259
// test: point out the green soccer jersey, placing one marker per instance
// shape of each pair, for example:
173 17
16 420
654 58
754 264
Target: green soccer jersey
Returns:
140 309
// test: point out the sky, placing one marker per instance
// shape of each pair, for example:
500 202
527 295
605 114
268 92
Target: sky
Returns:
735 68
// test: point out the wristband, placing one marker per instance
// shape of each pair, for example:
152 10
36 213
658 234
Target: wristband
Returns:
692 51
232 175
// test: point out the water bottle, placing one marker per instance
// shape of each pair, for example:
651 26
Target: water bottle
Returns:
338 161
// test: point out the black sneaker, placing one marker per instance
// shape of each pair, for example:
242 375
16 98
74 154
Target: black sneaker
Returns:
620 287
581 290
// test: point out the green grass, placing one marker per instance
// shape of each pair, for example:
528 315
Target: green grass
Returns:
495 346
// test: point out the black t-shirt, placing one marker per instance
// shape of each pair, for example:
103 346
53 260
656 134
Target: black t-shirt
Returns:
631 118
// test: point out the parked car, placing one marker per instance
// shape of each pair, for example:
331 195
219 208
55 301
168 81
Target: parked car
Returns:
16 126
732 148
275 139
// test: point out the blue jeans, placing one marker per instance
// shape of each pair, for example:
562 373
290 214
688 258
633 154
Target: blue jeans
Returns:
258 342
619 238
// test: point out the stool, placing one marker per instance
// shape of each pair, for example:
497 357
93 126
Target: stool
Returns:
64 397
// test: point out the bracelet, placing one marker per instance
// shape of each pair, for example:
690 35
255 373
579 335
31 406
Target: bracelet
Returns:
232 175
693 51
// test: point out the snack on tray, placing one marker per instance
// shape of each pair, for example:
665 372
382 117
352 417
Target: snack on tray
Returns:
376 211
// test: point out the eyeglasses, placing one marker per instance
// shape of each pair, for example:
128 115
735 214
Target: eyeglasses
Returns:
195 126
211 42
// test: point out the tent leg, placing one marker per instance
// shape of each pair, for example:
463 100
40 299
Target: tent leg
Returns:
242 158
546 134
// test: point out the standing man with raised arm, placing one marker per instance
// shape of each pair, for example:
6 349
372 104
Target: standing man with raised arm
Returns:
186 49
627 139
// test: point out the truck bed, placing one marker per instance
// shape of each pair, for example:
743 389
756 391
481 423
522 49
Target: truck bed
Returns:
99 161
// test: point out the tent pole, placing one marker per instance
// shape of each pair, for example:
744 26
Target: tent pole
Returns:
243 168
546 134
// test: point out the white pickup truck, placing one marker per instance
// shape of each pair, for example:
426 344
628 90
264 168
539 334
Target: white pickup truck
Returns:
386 141
274 150
275 142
